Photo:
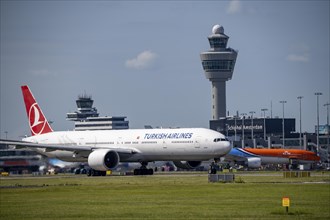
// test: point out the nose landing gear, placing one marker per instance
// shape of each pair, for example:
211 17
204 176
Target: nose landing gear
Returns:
214 167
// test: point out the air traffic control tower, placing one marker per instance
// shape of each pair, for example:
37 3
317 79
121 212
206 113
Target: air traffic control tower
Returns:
218 64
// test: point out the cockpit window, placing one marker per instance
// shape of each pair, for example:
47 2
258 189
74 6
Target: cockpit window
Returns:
220 139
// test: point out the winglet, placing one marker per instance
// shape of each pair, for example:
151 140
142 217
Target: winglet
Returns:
37 121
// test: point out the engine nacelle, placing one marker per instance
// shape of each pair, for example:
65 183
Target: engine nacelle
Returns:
103 159
187 164
254 162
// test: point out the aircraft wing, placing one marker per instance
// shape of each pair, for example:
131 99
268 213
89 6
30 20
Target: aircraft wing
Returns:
23 144
51 147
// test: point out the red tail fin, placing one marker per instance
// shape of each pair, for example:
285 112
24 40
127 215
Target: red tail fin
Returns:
37 121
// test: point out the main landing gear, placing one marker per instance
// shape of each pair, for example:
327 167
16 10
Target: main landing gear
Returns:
143 170
92 172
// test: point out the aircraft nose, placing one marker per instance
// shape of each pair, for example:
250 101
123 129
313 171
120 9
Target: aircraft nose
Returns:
227 146
223 147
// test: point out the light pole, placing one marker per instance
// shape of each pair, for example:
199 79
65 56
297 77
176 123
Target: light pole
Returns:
243 140
235 117
252 112
327 105
264 110
283 133
6 133
318 121
300 141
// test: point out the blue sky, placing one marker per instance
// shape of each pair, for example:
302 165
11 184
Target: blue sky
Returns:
140 59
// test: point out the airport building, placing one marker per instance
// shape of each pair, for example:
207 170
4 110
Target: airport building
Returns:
254 127
268 133
20 161
87 118
218 64
85 109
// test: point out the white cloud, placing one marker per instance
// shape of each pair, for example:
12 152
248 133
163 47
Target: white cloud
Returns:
234 6
143 60
298 57
300 53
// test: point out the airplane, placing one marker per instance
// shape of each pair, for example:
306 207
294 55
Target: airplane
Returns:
254 158
105 149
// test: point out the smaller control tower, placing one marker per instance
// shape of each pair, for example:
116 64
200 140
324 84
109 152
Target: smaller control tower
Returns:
85 109
87 118
218 64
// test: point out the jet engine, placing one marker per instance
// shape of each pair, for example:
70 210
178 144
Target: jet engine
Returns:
187 164
254 162
103 159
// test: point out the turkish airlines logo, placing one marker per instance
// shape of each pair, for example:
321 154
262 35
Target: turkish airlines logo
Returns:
36 119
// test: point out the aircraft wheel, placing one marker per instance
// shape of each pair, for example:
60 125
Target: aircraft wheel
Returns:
93 172
142 172
150 171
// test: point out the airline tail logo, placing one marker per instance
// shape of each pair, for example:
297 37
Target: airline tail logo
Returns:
37 121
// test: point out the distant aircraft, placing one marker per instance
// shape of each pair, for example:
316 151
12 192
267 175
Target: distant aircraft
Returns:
254 158
104 149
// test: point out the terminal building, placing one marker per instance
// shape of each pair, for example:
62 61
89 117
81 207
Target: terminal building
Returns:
20 161
87 118
268 133
254 127
257 132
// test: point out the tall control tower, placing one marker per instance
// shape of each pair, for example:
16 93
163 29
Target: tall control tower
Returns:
218 64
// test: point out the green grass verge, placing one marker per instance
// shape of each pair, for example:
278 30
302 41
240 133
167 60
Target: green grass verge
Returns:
164 197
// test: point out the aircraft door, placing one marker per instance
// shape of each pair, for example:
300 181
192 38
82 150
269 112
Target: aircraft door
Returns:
197 143
164 145
81 141
119 141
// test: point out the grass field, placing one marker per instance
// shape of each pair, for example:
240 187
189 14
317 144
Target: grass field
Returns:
183 196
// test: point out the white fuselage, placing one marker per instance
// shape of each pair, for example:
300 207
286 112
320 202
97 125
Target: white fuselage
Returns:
194 144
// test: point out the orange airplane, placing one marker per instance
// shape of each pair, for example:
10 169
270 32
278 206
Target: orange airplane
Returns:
254 158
